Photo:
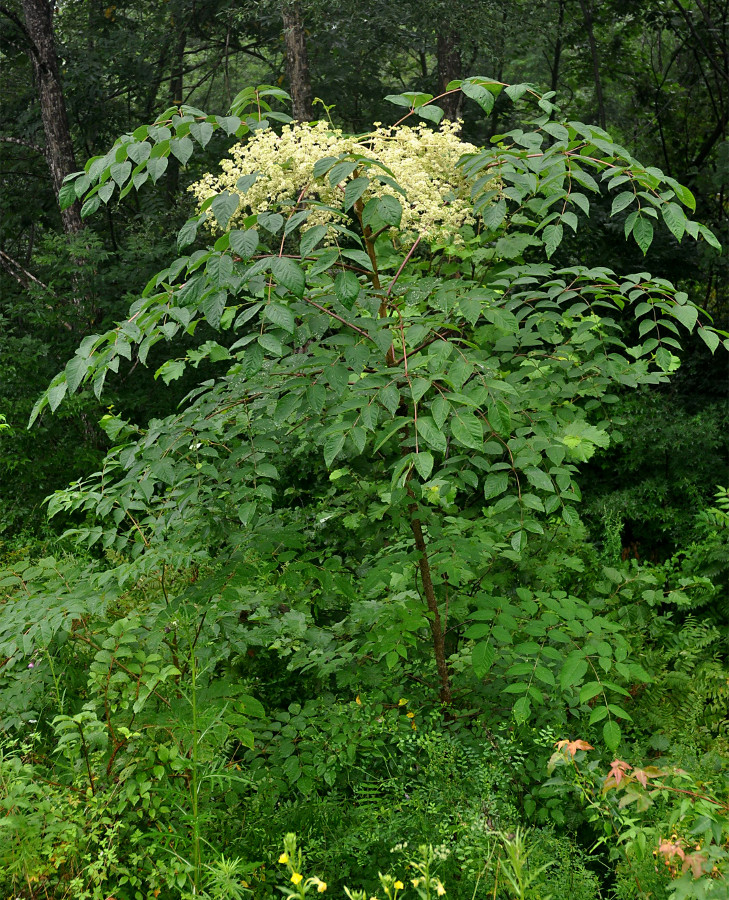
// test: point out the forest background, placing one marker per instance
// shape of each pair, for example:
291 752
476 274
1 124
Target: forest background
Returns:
169 713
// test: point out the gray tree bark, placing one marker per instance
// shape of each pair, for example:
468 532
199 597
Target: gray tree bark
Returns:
297 61
450 68
177 84
589 17
59 153
557 55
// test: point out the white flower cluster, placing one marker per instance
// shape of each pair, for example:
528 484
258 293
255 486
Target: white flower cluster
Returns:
422 161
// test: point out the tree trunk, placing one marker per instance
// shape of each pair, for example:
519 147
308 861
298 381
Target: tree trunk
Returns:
587 15
177 79
177 84
449 69
557 55
297 61
159 68
59 147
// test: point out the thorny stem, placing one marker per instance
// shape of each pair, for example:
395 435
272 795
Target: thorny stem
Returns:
415 524
402 324
86 757
136 525
56 685
338 318
374 274
199 629
402 265
85 640
293 210
370 245
405 361
430 598
197 860
112 758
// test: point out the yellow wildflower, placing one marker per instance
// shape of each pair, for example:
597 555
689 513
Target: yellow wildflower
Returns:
410 715
283 859
321 886
399 885
439 889
402 702
297 878
357 700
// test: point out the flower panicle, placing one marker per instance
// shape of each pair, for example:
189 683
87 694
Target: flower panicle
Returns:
272 170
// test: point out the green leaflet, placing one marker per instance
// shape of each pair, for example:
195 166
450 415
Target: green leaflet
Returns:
280 315
467 429
611 735
224 207
346 287
244 243
423 464
431 434
289 274
573 671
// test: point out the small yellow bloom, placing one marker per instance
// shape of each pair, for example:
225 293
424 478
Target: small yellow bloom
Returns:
413 726
321 887
402 702
399 885
357 700
410 715
283 859
297 878
415 882
440 890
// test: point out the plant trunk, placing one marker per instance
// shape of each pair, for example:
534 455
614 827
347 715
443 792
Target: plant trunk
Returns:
297 61
159 68
557 55
59 147
436 627
449 69
176 98
587 14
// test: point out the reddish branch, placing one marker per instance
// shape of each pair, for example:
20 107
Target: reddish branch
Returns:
436 627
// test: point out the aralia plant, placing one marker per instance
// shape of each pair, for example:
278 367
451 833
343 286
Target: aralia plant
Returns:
384 309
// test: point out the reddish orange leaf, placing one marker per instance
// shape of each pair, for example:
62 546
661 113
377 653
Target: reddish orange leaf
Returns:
670 849
574 746
617 773
695 862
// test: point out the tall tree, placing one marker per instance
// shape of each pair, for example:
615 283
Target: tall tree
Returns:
297 61
556 59
450 68
707 34
588 14
59 153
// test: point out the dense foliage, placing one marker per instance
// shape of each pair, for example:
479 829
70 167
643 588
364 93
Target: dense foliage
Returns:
398 561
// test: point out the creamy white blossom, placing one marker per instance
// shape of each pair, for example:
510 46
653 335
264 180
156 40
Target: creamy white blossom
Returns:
422 161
